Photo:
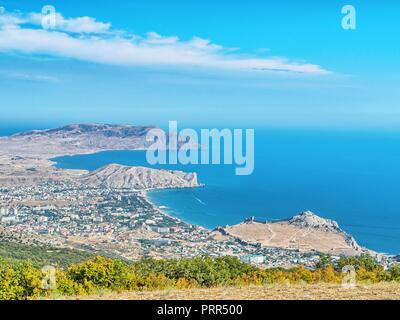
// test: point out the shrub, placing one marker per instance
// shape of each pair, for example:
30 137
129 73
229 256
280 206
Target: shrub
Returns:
100 273
364 261
20 281
395 273
67 286
204 270
23 280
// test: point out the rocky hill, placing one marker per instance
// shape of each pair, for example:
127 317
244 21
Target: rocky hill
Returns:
307 219
305 232
138 178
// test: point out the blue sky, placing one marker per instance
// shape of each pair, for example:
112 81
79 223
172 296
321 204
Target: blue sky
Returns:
231 63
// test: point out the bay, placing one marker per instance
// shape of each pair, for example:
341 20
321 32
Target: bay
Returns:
351 177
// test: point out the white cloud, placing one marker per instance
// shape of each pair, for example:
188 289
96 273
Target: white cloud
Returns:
74 25
86 39
155 38
10 20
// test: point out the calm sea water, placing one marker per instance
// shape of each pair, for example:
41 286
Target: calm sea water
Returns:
350 177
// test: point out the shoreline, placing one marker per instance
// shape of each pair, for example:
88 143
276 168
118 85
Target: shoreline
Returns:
144 194
164 211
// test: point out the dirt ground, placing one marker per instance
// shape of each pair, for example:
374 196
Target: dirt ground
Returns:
381 291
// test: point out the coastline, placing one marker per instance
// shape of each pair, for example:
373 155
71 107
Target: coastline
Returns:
144 194
180 213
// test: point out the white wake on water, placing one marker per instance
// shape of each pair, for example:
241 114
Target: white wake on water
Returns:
199 200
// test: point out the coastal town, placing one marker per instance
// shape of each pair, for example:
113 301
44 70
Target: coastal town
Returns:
121 223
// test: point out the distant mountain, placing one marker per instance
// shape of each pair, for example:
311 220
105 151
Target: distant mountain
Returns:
106 130
77 139
138 178
25 157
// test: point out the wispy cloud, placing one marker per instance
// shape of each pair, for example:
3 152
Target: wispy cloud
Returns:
86 39
28 76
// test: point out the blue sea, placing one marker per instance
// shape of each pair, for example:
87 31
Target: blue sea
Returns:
351 177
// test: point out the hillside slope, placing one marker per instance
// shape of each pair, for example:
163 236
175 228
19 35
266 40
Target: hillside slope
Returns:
305 232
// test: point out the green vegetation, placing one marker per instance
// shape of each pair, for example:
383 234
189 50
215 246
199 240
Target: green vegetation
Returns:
41 256
21 280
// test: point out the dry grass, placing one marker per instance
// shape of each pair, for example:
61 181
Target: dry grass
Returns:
381 291
284 235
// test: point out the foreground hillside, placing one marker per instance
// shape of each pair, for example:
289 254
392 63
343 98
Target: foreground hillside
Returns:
322 291
204 275
40 256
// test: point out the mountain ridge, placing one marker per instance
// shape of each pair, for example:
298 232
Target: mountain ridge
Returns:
139 178
109 130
